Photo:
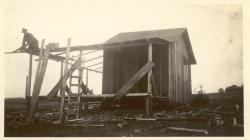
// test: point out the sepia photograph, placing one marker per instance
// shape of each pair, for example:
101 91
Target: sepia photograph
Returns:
116 68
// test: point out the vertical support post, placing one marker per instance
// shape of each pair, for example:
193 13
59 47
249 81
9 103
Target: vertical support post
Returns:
80 82
28 91
149 90
61 70
150 72
38 85
61 75
87 78
63 86
27 98
40 59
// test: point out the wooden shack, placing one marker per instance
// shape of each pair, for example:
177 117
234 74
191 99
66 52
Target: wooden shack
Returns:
151 64
172 56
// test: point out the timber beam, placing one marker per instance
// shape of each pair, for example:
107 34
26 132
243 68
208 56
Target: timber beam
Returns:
94 64
102 46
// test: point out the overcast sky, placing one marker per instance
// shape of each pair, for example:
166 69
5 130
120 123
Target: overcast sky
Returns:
215 32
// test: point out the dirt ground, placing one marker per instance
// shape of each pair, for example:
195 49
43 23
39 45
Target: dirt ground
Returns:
215 120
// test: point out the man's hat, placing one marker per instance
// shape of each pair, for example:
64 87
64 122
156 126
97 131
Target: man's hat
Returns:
24 30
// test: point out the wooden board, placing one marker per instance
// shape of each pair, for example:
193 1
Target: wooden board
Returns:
66 75
144 70
156 91
63 84
38 85
51 56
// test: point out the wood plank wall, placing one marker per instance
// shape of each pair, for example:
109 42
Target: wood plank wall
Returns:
180 74
120 64
172 72
160 70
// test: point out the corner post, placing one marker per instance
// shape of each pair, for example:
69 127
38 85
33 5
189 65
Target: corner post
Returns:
149 90
28 80
87 78
61 70
63 86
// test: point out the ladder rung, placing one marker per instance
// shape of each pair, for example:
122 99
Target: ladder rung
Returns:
74 95
75 76
71 113
75 84
73 103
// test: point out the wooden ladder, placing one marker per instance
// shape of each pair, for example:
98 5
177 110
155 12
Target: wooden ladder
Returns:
73 100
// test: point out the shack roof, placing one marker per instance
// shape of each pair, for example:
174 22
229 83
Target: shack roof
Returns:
170 35
166 34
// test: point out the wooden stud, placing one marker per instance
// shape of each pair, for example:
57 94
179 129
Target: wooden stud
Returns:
64 80
156 91
27 97
90 69
61 70
55 89
170 92
87 78
92 59
80 82
148 104
149 90
98 68
28 87
38 85
94 64
150 72
86 53
29 78
39 60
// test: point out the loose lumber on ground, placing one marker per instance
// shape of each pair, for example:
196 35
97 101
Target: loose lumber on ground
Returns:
102 97
144 70
187 130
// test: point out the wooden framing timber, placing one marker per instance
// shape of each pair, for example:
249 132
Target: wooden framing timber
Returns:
90 69
39 61
66 75
148 101
28 82
27 95
94 64
92 59
86 53
126 87
38 85
103 46
153 82
64 80
98 68
87 78
101 97
51 56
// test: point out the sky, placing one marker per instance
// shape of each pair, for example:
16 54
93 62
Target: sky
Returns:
215 32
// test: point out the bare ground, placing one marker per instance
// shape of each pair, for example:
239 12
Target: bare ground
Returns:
107 123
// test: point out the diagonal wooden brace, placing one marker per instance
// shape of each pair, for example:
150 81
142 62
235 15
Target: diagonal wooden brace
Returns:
38 84
143 71
56 88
